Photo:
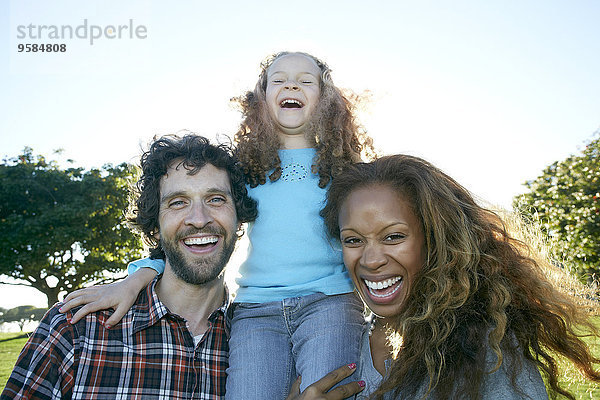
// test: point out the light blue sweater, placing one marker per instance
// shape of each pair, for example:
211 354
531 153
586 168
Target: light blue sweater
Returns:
290 254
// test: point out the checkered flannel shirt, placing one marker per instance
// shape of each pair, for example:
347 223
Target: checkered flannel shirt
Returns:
149 355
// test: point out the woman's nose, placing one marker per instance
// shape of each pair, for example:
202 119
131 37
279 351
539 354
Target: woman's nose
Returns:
373 257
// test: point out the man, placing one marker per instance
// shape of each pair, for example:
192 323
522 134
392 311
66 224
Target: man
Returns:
172 344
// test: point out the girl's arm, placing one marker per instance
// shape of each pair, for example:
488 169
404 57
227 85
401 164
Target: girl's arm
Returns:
119 296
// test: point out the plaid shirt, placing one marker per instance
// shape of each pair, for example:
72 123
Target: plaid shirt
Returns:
149 355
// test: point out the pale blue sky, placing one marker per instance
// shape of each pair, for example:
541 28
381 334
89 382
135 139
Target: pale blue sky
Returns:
492 92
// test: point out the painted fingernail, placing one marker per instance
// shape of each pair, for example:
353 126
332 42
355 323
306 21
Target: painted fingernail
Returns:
107 326
60 309
352 366
70 320
361 383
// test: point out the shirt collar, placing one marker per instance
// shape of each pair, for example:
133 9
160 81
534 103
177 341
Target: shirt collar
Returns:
148 309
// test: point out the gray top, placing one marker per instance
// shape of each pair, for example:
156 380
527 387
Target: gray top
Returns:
495 386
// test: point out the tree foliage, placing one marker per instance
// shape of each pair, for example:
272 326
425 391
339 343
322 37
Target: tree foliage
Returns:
22 315
62 228
565 199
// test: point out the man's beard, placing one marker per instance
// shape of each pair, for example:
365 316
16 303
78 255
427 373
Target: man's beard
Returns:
201 270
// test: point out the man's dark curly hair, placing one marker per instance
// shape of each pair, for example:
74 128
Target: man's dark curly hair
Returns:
193 152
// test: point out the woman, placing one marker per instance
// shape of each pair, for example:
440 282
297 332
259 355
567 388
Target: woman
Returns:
461 308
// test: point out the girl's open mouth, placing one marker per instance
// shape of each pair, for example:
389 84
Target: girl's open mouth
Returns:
291 103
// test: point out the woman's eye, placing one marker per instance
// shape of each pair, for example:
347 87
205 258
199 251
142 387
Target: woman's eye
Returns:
351 241
395 237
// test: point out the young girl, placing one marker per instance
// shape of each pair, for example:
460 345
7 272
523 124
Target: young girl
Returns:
295 312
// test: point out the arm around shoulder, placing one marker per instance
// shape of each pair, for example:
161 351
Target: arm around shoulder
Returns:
156 264
119 296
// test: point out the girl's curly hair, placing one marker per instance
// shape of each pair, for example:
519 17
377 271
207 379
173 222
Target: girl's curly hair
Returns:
333 130
480 288
192 152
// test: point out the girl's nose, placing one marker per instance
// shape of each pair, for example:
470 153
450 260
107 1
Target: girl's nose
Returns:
291 85
373 257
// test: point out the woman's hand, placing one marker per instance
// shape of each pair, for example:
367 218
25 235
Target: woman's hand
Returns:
320 389
119 296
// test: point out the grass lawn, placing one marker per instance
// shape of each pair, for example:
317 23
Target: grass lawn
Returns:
12 343
572 380
10 347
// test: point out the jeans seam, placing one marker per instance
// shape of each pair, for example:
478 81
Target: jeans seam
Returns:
285 311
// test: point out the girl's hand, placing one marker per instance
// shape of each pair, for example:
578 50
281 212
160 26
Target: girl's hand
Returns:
119 296
320 389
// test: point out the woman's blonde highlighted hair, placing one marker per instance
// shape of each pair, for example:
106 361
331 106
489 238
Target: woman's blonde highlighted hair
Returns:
480 289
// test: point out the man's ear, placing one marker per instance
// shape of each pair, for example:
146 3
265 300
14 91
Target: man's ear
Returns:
240 230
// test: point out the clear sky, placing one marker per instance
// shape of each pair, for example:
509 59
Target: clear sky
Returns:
492 92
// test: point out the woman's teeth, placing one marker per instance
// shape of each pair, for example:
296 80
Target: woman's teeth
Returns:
382 284
380 287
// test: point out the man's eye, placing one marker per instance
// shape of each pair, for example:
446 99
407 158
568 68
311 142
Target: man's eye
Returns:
216 200
177 204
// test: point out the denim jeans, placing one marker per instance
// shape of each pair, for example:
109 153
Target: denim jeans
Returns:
272 343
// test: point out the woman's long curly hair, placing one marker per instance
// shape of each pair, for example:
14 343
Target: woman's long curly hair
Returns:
333 130
193 152
480 288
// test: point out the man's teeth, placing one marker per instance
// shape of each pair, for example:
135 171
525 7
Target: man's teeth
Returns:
201 240
291 101
382 284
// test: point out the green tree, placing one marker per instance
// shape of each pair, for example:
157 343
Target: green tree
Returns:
22 315
565 199
63 228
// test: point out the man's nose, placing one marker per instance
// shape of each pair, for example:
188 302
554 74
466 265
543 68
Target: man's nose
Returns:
198 216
